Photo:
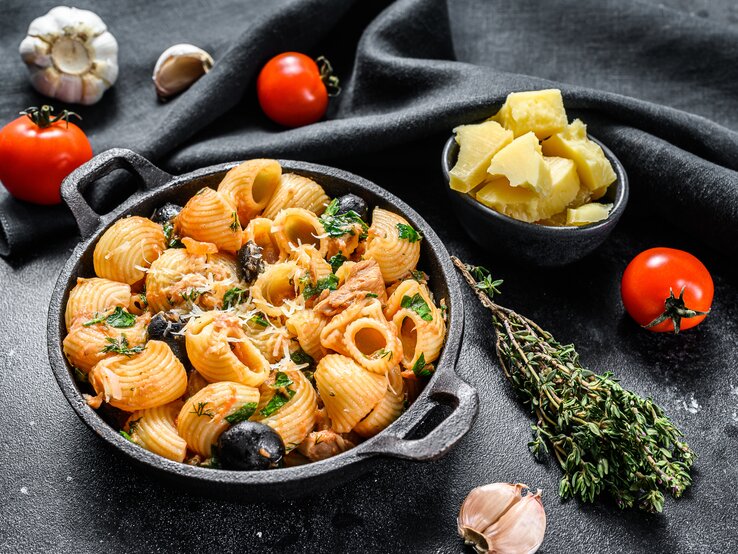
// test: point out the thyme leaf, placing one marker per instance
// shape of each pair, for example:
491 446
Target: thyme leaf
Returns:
121 346
607 439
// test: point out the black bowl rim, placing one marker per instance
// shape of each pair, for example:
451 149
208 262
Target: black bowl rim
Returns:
362 452
620 201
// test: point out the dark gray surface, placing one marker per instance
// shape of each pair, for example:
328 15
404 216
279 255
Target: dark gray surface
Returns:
64 490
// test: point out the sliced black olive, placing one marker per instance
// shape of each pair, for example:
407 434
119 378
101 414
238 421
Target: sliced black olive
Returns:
166 213
163 327
349 202
250 262
250 446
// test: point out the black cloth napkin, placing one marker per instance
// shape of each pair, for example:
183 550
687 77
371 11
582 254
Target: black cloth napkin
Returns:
659 85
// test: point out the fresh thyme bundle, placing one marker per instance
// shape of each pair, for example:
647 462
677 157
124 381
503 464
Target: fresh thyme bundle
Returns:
606 438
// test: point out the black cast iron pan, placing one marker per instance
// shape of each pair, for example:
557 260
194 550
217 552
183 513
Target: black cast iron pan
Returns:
397 441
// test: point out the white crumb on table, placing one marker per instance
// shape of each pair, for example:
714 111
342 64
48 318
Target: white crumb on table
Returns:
693 406
258 534
69 477
24 490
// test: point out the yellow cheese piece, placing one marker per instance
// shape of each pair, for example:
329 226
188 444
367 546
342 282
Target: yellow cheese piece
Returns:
589 213
522 163
517 202
564 187
477 145
539 111
595 170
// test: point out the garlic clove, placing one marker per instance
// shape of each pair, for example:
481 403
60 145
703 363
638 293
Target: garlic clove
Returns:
45 79
70 88
521 529
92 89
35 51
499 518
178 67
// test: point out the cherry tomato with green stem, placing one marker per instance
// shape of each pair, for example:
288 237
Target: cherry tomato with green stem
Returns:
293 89
665 290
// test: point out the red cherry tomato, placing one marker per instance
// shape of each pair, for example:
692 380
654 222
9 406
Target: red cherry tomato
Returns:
665 289
37 151
292 89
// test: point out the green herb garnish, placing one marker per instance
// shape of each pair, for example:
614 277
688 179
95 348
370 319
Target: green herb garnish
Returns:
201 410
300 357
127 436
233 297
419 276
276 402
379 354
235 225
258 319
408 233
418 305
337 261
281 380
191 295
338 225
80 375
371 295
242 414
119 319
330 282
419 367
605 438
121 346
172 240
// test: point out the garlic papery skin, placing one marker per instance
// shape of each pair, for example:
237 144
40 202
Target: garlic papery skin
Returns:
70 55
503 518
178 67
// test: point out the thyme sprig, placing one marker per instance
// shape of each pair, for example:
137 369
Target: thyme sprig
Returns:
605 438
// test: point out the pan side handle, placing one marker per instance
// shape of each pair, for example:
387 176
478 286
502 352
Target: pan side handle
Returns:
74 186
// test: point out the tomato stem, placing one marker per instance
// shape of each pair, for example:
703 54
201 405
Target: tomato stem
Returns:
331 82
675 310
43 116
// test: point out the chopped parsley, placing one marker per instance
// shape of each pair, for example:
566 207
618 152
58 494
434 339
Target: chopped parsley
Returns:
143 299
121 346
408 233
277 401
191 295
338 225
201 410
379 354
258 319
329 282
336 261
418 305
300 357
235 225
242 414
119 319
419 276
371 295
420 369
171 239
80 375
282 380
127 436
233 297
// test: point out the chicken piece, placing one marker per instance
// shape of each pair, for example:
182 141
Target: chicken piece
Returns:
320 445
365 278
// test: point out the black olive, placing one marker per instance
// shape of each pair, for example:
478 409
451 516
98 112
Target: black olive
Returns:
166 213
349 202
162 327
250 446
250 262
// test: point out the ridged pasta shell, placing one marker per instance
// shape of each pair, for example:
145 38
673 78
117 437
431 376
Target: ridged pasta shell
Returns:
387 410
295 419
95 295
249 186
306 325
270 340
84 345
128 248
333 334
417 335
296 191
154 430
296 226
311 262
373 343
219 350
273 287
210 217
349 392
151 378
202 418
259 231
395 256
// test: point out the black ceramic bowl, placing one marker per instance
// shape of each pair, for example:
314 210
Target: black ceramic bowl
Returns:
399 440
539 245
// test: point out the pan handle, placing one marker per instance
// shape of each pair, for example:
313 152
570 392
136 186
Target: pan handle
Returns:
88 220
448 389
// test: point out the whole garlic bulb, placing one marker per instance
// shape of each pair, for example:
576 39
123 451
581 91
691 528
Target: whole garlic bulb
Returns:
70 55
499 518
178 67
